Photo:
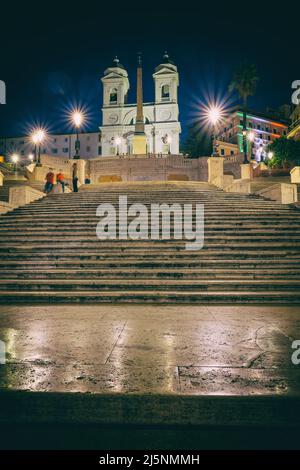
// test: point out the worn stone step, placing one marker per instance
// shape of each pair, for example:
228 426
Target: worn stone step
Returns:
137 297
149 284
131 273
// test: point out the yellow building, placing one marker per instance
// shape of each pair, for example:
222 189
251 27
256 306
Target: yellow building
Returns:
227 149
294 129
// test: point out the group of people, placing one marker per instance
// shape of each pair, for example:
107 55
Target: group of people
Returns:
60 179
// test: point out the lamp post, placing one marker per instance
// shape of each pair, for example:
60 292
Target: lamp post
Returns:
77 118
15 159
214 114
118 142
37 138
250 138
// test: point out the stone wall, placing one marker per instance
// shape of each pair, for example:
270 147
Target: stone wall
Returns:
173 167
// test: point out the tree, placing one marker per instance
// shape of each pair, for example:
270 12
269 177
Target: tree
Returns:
284 151
244 82
197 143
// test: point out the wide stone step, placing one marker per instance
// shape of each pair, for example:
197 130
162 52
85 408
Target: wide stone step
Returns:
150 284
241 248
191 257
131 273
137 297
179 265
293 239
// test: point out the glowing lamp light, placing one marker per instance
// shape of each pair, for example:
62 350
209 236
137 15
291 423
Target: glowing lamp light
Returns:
270 155
77 118
15 158
169 139
214 114
31 157
38 136
118 140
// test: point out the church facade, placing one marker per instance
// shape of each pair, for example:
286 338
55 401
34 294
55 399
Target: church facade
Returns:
161 117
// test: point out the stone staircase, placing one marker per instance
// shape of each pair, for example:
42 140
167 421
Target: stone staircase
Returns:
49 251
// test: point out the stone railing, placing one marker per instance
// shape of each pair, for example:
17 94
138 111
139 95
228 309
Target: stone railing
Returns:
282 192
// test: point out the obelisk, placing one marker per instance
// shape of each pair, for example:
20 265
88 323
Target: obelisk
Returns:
139 143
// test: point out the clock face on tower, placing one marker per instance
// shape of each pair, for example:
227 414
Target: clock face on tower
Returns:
113 118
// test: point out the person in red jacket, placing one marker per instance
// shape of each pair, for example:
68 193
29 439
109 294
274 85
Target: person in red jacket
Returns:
60 178
49 181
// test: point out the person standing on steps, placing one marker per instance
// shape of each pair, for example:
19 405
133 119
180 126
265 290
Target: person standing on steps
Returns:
49 181
75 178
60 179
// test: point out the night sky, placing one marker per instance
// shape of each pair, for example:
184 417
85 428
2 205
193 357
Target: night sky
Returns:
53 55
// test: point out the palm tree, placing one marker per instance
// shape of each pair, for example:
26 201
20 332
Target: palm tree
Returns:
244 81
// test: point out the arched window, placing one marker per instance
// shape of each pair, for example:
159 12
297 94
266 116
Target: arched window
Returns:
113 97
165 92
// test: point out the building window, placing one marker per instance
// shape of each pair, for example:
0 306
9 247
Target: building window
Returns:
258 127
267 129
269 137
165 92
99 150
88 149
222 152
66 139
274 131
113 97
231 152
284 132
65 150
250 125
55 140
54 150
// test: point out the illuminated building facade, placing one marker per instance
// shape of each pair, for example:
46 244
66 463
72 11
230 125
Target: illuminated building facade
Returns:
265 130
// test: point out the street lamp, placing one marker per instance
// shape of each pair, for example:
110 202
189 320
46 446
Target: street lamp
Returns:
118 142
77 118
169 140
15 158
214 114
250 138
270 155
31 157
37 138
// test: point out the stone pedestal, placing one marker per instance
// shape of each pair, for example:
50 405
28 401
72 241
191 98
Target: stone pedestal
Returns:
139 145
215 168
295 175
246 171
